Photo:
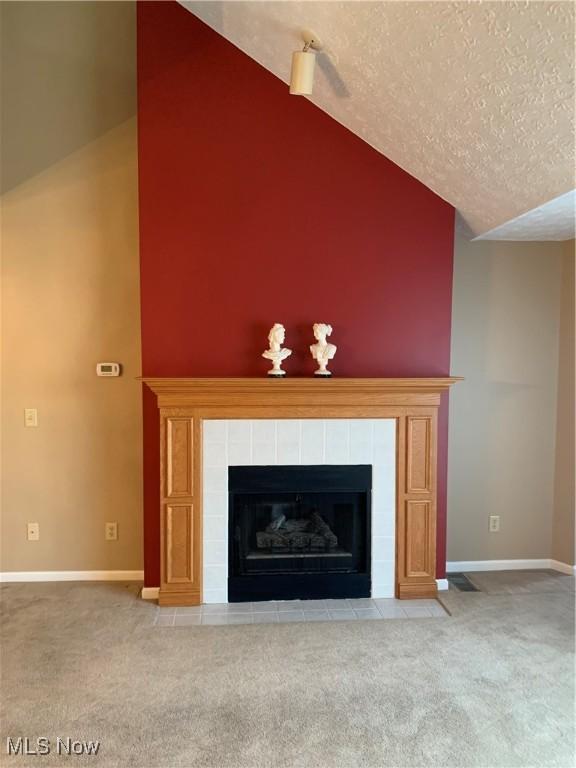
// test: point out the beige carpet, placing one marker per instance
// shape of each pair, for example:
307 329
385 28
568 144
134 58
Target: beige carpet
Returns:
491 686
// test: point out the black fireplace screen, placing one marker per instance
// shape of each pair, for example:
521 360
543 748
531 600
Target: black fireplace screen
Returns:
299 532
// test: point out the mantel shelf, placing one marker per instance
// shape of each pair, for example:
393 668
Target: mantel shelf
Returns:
210 392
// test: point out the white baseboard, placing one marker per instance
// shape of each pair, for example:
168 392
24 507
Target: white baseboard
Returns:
151 593
14 576
463 566
563 567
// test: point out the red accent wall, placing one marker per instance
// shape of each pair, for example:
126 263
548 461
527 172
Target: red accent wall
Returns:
255 208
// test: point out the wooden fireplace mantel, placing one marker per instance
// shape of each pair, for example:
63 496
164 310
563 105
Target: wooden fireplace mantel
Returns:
186 403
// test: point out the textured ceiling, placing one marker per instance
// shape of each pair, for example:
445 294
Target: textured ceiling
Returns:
474 99
552 221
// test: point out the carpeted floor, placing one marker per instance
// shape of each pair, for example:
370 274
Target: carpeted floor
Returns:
493 685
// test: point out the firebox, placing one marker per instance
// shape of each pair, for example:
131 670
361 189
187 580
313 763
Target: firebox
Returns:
299 532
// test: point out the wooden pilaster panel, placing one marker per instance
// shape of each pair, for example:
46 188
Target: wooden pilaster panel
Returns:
179 554
179 452
416 505
418 454
417 539
181 540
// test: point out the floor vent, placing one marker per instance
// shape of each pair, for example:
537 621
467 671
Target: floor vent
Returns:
461 582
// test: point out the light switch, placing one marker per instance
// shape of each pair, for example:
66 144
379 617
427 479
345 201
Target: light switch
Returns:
30 417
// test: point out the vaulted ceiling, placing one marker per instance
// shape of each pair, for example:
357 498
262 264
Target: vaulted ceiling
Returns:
474 99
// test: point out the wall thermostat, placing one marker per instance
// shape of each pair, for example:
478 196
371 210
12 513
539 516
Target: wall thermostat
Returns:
108 369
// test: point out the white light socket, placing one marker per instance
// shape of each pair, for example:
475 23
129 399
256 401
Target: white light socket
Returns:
302 75
303 64
311 39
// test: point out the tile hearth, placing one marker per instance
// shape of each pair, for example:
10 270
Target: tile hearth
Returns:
298 611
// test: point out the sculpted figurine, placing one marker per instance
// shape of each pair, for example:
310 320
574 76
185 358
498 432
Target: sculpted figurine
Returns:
322 351
276 353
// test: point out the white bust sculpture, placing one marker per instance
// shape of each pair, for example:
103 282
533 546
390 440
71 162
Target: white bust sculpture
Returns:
276 353
322 351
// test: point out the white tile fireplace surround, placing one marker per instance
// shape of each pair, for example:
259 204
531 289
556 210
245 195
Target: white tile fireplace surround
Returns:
269 442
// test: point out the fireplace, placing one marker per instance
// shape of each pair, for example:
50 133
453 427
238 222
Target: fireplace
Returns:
299 532
208 425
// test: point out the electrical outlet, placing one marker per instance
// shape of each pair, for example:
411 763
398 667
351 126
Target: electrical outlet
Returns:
494 525
111 531
33 531
30 417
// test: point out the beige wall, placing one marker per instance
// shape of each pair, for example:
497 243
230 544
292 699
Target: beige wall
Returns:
564 506
70 287
502 450
68 76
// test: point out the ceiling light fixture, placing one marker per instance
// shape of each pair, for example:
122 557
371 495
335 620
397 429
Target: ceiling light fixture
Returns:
302 75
